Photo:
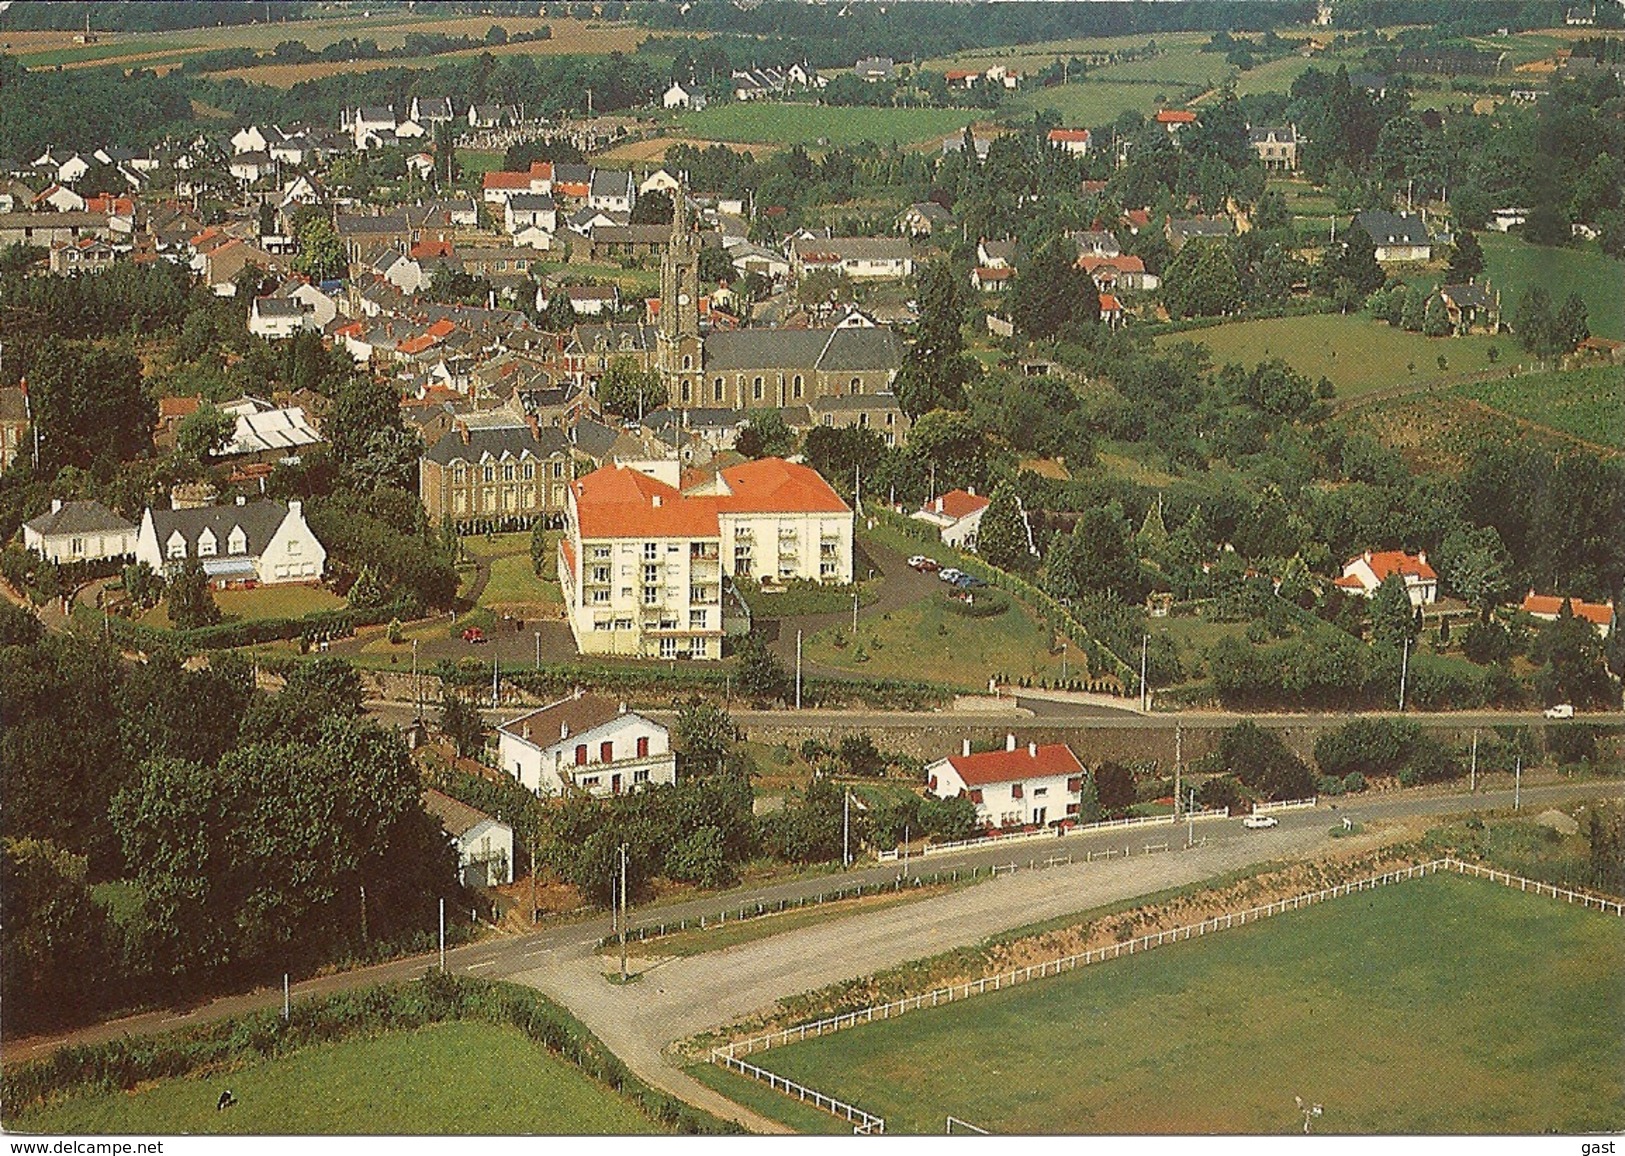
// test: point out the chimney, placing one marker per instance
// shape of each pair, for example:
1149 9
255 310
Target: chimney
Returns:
1368 557
56 505
242 501
966 750
1010 741
1032 750
656 501
462 431
1421 557
535 431
296 508
525 730
564 730
623 708
971 490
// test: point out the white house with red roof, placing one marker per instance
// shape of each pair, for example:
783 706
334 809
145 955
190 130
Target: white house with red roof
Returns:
589 743
1364 574
1028 786
643 563
498 185
1174 119
957 515
1548 607
1069 140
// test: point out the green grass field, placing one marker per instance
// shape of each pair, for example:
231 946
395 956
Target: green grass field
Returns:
1588 403
458 1078
1436 1006
1093 102
289 601
1356 353
514 585
1513 265
771 122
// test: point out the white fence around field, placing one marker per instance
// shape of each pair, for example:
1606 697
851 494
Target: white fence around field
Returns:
1285 805
727 1055
863 1124
1082 829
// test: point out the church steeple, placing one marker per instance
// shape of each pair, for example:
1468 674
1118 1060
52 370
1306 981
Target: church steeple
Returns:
680 274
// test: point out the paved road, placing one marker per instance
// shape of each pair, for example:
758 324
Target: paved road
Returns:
678 998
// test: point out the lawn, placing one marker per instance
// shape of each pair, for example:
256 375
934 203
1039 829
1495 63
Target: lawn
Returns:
1512 265
1355 352
1587 403
1436 1006
1092 103
772 122
448 1078
285 601
514 587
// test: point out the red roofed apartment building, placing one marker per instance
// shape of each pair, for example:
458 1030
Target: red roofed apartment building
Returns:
1364 574
957 515
643 563
1547 608
1027 786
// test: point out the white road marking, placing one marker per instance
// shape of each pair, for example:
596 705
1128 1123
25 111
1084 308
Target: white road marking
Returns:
482 963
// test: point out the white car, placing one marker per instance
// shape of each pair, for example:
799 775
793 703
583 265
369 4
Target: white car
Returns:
1259 822
1561 710
949 574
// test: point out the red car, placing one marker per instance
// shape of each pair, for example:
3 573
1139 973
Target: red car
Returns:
474 634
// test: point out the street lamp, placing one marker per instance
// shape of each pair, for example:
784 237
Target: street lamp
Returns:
538 651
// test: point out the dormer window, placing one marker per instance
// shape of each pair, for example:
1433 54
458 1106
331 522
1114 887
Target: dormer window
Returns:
237 543
176 547
207 546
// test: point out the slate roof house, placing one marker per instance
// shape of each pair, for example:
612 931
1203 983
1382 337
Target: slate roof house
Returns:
79 532
484 845
496 474
261 541
1398 236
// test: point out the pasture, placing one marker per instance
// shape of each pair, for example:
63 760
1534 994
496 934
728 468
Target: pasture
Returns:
1512 265
446 1078
788 123
1435 1006
1091 103
1586 403
1355 353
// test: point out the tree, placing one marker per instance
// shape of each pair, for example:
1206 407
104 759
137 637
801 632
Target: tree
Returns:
1467 259
367 591
559 316
1220 791
653 208
628 391
1535 325
89 403
191 602
761 674
1393 618
57 938
1095 558
1414 314
1570 326
1359 262
1605 832
361 409
936 368
765 435
1474 562
1201 280
1002 538
1435 318
706 737
203 433
1572 656
460 721
699 858
1114 786
1262 762
321 253
1051 296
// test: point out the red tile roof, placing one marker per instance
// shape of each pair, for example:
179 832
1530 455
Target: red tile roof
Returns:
1012 766
1109 304
1122 264
957 504
1386 562
1551 605
1069 135
617 502
1176 116
500 179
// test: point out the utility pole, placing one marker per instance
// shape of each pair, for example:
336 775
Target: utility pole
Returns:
854 612
1178 736
363 913
1517 783
442 937
623 914
533 885
905 849
798 670
846 829
417 686
1472 782
1190 819
538 651
1145 696
286 1006
1404 669
493 678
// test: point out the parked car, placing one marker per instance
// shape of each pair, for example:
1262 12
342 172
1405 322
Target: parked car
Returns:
950 574
924 564
1561 710
1259 822
474 634
968 581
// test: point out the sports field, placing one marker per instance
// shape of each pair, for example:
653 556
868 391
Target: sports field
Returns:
1440 1005
1356 353
772 122
462 1078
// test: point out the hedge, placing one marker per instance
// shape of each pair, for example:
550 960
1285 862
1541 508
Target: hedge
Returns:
322 624
126 1063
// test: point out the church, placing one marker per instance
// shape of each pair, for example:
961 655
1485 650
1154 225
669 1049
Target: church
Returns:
756 368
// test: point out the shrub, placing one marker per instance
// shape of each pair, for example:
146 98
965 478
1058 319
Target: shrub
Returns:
1353 783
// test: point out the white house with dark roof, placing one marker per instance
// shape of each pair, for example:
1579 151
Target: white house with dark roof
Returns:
860 258
1031 786
1397 236
484 845
261 541
589 743
612 191
79 532
276 317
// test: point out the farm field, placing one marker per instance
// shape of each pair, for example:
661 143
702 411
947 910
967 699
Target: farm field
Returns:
808 124
1183 64
452 1077
1094 102
288 601
1354 352
1513 265
1412 1009
1587 403
1032 57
